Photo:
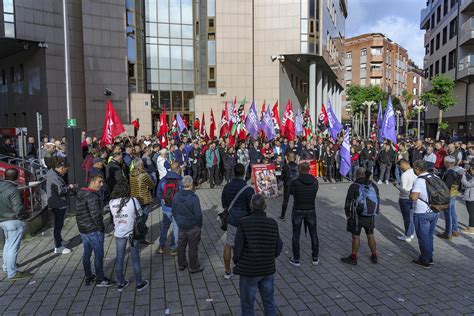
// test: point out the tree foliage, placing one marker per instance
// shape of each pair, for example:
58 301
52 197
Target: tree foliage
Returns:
441 95
357 95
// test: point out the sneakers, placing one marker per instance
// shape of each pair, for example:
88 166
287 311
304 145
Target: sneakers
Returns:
405 238
294 262
456 234
173 252
123 286
143 285
145 242
444 236
374 259
315 261
62 250
421 264
469 230
379 182
386 182
20 275
200 269
105 283
160 250
90 279
228 275
349 260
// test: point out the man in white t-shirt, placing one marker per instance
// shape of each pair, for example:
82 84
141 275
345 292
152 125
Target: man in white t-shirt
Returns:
425 219
406 205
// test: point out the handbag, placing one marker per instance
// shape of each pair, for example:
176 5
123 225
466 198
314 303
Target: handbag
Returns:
140 230
225 213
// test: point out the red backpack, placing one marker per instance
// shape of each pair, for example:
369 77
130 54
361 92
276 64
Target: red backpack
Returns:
170 188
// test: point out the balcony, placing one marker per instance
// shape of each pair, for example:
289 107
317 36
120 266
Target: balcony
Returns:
466 67
466 36
425 16
376 73
466 6
377 58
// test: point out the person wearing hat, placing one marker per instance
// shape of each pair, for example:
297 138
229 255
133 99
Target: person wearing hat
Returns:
162 163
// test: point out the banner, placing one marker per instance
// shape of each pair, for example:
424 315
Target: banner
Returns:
264 180
312 167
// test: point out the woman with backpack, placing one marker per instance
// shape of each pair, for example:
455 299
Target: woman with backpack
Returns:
468 196
125 210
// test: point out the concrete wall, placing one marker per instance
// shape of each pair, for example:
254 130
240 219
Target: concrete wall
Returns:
140 107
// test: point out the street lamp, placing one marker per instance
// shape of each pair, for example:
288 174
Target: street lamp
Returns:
368 104
419 108
398 113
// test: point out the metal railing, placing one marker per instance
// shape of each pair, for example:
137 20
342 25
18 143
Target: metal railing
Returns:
32 165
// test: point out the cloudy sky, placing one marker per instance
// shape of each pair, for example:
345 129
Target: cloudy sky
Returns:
398 19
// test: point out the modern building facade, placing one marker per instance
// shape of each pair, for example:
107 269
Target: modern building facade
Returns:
449 50
32 63
415 81
375 60
202 53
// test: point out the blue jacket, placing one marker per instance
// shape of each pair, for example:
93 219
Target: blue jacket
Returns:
187 210
210 157
127 159
161 186
241 206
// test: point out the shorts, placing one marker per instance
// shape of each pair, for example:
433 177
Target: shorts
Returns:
231 232
366 222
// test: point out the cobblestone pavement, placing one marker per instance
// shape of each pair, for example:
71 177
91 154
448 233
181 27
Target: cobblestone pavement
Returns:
394 286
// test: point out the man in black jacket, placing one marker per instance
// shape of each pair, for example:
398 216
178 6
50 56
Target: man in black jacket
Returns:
304 190
91 228
355 222
196 158
114 171
288 173
367 157
385 158
239 209
257 244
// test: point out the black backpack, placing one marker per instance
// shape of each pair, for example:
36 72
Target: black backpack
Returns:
438 193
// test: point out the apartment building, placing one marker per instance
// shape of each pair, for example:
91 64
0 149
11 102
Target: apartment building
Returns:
374 59
449 39
415 80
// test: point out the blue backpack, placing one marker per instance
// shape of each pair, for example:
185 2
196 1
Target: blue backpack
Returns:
367 203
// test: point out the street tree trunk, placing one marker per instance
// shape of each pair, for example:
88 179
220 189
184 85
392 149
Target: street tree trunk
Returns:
440 120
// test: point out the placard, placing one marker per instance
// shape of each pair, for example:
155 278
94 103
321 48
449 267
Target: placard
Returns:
264 180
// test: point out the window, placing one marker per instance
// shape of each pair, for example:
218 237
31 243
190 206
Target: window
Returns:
445 35
436 68
415 91
363 52
375 81
375 66
211 7
415 80
363 82
363 66
414 102
432 47
452 59
437 41
438 14
349 55
376 50
431 71
453 3
453 28
348 68
443 64
9 18
433 21
445 7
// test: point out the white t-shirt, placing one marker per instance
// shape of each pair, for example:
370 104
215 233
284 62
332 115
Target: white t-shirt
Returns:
125 219
407 180
419 186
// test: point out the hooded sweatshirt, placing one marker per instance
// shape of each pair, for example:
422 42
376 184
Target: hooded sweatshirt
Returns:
304 190
186 210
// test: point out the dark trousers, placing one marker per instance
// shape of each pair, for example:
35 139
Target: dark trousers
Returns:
309 217
286 198
196 173
470 210
213 175
189 238
329 171
228 174
59 215
385 172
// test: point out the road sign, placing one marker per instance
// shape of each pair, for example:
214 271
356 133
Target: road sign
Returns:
71 122
39 121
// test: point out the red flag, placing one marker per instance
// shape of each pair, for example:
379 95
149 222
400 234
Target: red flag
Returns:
112 125
276 116
163 133
323 120
203 131
224 122
288 122
196 124
213 126
136 124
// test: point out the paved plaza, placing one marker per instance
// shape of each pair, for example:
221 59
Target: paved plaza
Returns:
394 286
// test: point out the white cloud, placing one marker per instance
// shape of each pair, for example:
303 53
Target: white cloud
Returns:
400 30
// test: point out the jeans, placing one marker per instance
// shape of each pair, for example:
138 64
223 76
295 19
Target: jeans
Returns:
93 242
167 221
385 172
309 216
189 238
286 198
470 210
398 173
368 165
451 218
425 225
352 172
228 175
121 245
213 175
248 290
13 231
406 207
146 210
59 215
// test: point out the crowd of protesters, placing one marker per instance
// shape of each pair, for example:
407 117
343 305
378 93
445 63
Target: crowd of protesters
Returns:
128 177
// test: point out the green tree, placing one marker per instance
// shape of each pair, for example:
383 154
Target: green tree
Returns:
357 95
441 95
407 97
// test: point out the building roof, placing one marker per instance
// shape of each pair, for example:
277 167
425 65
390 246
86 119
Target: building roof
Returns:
369 36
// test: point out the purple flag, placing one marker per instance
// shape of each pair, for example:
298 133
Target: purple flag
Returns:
252 123
181 125
334 126
299 124
389 122
345 155
267 125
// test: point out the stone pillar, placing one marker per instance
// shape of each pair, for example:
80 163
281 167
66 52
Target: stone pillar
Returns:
319 93
312 92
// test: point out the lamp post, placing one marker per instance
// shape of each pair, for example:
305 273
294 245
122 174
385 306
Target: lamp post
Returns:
419 108
368 104
397 112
